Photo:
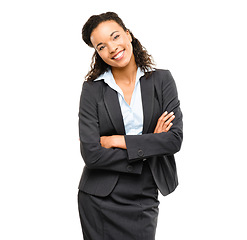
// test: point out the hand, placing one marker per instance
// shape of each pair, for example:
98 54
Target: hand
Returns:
117 141
164 122
106 141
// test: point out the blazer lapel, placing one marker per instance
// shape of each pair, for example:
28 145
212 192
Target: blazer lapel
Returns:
147 91
114 110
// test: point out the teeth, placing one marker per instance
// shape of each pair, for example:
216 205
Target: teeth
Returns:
119 55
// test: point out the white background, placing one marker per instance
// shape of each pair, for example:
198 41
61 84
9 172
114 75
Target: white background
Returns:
43 63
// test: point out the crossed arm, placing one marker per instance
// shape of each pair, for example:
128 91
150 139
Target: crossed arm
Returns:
164 124
117 151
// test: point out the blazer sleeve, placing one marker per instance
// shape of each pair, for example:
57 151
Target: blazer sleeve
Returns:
166 143
94 155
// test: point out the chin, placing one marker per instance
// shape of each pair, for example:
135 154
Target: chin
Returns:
121 64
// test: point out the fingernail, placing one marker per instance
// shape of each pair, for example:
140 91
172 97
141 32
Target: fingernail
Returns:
165 112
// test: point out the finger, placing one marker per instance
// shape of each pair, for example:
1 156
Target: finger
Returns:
160 121
168 116
163 114
169 126
166 123
169 120
162 117
101 140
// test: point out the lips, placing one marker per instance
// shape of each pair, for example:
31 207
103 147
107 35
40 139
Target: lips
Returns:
119 55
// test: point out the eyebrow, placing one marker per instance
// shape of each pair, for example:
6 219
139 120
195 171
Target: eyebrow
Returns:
110 36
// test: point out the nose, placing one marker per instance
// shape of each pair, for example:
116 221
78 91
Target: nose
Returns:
112 48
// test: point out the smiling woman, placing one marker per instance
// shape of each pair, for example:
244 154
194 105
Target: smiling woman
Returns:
128 135
113 44
113 32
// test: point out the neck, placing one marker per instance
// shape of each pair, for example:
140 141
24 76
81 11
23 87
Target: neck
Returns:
127 73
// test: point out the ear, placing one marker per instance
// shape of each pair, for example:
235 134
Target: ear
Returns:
129 35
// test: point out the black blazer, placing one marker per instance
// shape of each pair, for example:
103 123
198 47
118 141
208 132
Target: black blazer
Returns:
100 115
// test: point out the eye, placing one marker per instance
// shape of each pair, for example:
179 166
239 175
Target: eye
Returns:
101 48
117 36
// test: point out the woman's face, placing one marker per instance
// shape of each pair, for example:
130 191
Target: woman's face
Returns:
112 43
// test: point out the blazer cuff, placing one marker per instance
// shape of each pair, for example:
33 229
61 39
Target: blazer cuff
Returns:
134 150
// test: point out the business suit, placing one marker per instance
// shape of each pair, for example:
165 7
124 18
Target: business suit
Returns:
100 115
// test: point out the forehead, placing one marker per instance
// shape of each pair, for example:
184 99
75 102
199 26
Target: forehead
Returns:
103 31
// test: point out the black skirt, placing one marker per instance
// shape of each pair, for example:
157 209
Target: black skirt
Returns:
130 212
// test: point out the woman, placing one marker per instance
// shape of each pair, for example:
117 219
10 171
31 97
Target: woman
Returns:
128 135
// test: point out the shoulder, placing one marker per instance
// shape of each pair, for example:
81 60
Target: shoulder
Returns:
92 86
92 89
162 76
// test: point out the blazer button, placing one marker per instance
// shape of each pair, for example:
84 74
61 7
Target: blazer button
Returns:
140 153
129 168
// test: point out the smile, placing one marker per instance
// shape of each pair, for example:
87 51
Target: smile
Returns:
119 55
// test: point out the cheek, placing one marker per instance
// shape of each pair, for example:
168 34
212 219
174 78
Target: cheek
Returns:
125 42
130 48
102 55
128 43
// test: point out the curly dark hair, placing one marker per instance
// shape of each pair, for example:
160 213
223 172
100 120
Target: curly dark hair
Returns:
98 66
